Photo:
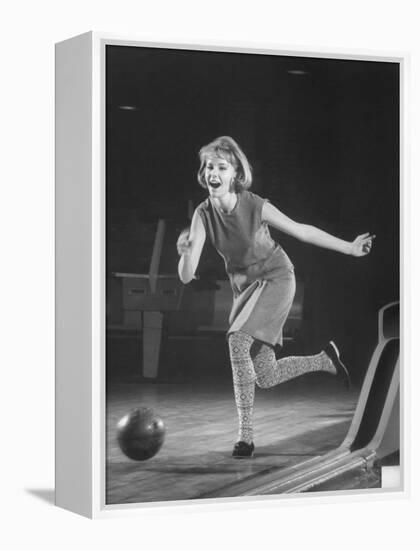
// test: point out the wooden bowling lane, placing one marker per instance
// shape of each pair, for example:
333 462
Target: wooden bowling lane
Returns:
293 422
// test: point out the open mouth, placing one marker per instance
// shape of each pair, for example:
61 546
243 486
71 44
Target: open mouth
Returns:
214 184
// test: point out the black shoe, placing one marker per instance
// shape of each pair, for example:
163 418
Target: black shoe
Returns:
342 373
243 450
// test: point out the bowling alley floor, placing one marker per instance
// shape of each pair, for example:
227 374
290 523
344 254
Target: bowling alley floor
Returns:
294 422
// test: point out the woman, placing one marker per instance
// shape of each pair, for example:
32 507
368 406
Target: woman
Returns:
261 275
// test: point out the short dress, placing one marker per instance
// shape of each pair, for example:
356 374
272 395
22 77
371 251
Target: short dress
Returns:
260 272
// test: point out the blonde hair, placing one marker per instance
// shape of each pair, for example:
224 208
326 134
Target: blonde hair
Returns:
225 147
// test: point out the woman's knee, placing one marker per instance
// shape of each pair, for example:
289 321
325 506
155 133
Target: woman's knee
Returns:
263 382
242 366
265 363
240 343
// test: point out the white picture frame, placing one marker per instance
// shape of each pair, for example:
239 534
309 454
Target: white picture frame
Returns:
80 269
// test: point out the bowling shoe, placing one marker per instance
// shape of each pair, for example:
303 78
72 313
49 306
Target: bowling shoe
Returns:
243 450
343 374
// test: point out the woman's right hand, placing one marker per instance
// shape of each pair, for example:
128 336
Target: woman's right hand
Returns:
190 245
183 244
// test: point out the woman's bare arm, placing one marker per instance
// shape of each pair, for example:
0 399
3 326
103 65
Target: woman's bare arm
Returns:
190 246
310 234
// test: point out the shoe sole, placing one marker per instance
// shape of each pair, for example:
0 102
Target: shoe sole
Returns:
237 457
342 371
243 457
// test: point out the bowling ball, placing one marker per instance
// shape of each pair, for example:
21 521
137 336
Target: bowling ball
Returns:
140 433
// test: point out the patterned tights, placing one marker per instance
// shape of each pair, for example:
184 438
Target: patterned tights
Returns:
254 362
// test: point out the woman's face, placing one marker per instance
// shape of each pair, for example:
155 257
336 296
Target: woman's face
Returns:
219 175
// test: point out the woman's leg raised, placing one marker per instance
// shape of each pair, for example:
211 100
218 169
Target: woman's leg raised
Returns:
270 372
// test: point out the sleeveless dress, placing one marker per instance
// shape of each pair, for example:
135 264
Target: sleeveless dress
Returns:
260 272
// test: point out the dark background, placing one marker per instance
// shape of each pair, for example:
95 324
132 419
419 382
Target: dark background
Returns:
322 136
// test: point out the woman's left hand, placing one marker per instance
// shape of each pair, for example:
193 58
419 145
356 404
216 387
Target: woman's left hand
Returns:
362 245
